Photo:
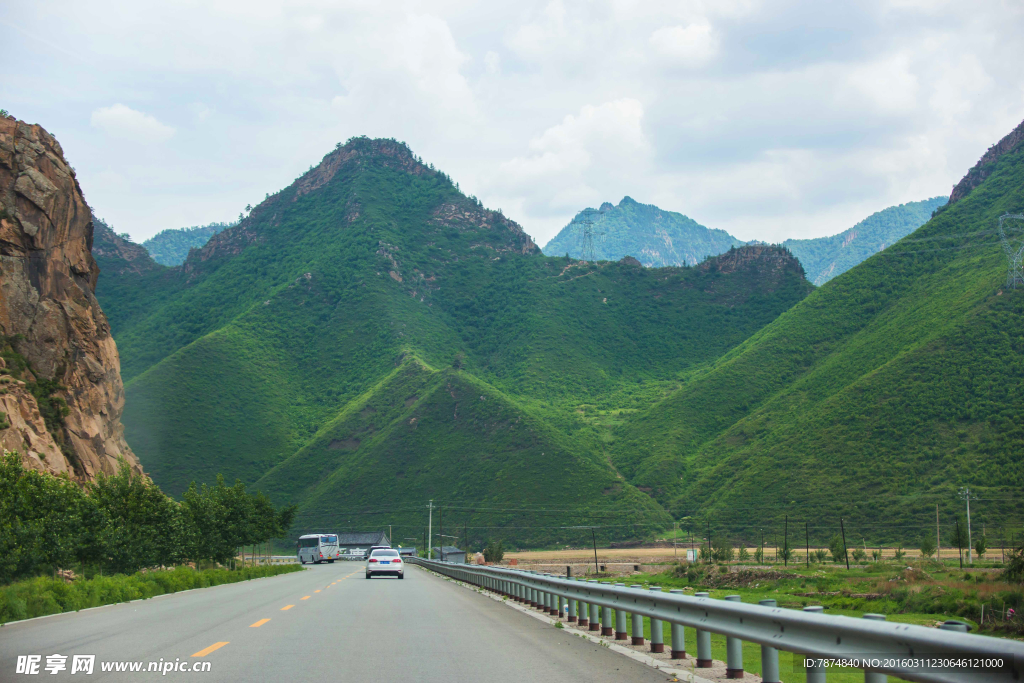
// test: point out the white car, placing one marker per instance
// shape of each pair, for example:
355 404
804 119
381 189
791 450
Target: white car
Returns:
385 561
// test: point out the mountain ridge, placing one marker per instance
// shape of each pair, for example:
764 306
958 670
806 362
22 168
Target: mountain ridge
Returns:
241 358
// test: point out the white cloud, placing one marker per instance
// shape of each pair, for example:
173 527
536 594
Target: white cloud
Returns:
575 162
772 119
688 46
125 123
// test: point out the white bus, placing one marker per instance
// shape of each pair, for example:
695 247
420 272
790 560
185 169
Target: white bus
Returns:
317 548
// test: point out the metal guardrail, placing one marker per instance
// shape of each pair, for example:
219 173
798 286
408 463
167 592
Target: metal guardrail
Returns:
913 653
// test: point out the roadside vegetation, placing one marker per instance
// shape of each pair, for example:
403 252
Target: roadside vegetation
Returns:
45 595
123 523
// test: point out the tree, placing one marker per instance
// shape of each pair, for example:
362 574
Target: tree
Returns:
137 521
494 552
835 546
722 550
927 545
980 546
1014 571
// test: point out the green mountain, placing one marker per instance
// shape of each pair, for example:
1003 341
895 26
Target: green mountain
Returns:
651 235
369 338
170 247
873 399
826 257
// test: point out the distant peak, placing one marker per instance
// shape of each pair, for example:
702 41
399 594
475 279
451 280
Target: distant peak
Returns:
627 200
607 206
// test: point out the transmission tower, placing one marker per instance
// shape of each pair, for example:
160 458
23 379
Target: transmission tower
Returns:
1013 245
583 226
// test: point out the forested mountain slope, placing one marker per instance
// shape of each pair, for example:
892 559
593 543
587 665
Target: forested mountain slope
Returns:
281 333
827 257
170 247
874 398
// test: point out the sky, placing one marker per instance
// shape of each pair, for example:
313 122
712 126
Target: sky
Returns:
767 119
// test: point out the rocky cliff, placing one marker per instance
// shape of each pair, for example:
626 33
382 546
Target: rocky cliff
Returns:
986 164
60 387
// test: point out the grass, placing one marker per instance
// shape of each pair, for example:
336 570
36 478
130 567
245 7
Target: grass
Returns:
43 595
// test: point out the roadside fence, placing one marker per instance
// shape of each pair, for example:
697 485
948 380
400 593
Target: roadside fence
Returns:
915 653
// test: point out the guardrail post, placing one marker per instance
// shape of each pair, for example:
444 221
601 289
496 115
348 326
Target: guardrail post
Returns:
595 613
815 672
657 630
704 659
606 622
638 624
678 644
620 620
572 611
584 609
769 655
733 650
874 676
556 604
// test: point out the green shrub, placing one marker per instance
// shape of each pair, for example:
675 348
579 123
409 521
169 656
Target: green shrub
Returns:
44 595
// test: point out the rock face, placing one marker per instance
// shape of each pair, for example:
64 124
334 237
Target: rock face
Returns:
61 383
983 168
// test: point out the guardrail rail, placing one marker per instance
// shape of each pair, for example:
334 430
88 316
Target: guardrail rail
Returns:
915 653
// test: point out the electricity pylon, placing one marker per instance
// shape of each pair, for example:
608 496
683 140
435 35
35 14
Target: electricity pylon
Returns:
1014 248
583 226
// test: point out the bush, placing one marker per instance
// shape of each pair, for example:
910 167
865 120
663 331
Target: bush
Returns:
44 595
494 552
927 545
835 546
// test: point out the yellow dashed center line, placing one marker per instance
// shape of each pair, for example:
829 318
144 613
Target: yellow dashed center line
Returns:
259 623
317 590
287 607
215 646
304 598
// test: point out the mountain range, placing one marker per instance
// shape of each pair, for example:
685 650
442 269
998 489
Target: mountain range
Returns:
369 338
660 238
370 335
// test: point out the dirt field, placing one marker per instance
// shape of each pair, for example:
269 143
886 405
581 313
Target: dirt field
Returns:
653 555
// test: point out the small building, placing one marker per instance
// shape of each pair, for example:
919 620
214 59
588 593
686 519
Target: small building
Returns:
450 553
353 544
407 552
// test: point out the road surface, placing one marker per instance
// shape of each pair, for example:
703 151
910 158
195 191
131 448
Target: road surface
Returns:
327 622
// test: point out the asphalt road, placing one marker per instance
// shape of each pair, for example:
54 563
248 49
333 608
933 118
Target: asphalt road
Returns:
327 622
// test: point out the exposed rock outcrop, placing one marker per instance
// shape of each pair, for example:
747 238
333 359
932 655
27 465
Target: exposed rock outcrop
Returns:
119 254
61 384
983 168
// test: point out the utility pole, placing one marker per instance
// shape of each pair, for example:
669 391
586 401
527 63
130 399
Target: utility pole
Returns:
593 535
675 531
846 553
785 542
440 530
959 547
938 544
430 530
965 493
807 544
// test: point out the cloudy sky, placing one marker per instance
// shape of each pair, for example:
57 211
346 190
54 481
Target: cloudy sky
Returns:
767 119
